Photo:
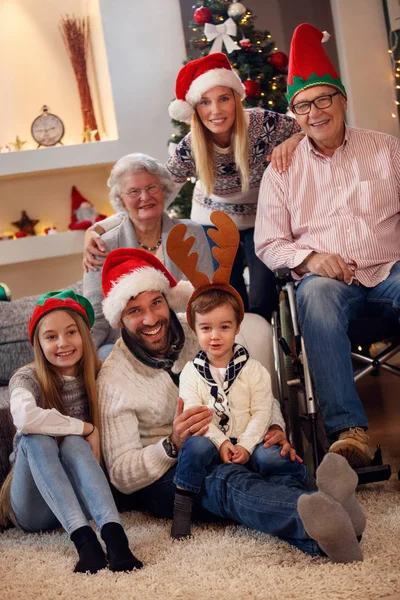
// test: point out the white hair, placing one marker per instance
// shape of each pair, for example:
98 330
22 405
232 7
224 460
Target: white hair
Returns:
137 163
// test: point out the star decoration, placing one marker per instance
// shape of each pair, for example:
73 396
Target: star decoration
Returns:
26 224
18 143
88 134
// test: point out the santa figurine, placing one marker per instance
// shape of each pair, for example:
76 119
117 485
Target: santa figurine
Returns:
83 213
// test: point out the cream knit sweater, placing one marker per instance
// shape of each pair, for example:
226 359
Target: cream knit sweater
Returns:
137 407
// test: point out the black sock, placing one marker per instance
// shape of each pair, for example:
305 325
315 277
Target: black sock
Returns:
119 555
91 555
181 523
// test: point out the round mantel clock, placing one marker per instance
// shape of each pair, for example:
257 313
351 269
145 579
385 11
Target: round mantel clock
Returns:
47 129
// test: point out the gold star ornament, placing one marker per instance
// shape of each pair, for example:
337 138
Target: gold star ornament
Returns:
18 143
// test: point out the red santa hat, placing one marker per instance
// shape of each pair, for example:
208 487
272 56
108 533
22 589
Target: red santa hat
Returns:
128 272
309 64
199 76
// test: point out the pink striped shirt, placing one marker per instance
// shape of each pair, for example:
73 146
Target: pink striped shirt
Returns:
346 204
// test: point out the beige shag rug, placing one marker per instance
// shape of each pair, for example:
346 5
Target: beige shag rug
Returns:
221 562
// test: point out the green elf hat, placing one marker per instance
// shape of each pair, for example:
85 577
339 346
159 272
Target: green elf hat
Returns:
5 293
309 64
67 299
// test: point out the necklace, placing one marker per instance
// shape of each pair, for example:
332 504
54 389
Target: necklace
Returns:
150 248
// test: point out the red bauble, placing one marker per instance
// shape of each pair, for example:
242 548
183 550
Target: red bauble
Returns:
202 15
279 60
252 88
20 234
245 44
200 44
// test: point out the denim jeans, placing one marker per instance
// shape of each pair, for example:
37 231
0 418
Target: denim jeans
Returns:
234 493
59 485
199 453
104 350
262 298
325 308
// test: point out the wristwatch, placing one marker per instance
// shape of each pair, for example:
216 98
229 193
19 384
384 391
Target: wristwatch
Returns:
170 449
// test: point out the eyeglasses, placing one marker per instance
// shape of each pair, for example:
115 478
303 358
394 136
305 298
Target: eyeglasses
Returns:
303 108
151 189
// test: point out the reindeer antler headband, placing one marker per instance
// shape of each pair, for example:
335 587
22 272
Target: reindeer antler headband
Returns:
227 238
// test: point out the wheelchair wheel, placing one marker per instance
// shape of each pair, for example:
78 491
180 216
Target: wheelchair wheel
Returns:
292 386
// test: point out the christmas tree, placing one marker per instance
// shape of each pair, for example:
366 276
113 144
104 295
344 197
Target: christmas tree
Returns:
253 55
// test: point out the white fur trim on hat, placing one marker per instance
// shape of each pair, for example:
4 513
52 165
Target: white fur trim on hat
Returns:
213 78
325 37
143 279
180 111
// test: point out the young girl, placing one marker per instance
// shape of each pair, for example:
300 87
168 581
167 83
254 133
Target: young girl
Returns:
56 478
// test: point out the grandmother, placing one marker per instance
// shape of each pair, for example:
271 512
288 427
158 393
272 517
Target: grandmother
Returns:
140 191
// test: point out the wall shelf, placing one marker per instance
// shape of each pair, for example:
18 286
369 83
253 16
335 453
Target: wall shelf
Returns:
41 247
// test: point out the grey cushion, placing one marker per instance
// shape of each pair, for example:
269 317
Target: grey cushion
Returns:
15 349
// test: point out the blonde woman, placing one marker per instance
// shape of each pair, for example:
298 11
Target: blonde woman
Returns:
56 478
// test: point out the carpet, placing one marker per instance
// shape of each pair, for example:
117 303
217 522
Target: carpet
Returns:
221 562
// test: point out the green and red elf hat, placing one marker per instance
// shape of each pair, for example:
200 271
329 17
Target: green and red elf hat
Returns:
309 64
67 299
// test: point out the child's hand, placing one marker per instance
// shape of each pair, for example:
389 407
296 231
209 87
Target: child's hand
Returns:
240 455
226 451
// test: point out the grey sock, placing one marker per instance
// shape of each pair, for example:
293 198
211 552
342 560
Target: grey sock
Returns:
181 523
327 522
336 478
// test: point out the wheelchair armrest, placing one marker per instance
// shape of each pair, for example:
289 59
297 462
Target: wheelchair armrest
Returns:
283 275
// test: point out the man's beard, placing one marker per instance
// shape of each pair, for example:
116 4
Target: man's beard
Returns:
158 347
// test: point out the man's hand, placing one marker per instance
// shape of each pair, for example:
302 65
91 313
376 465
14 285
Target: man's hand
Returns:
227 451
193 421
328 265
240 455
93 247
275 435
281 156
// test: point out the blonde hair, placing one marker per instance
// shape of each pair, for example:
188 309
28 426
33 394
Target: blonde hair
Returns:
51 384
204 154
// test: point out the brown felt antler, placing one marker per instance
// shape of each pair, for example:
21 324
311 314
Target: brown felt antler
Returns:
227 238
178 250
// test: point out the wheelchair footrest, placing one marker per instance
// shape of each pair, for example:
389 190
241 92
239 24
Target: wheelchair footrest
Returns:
373 473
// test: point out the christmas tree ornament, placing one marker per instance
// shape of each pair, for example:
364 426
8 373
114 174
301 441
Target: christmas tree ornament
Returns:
202 15
20 234
245 44
200 44
47 129
18 143
83 213
25 225
222 34
89 135
236 9
51 231
309 65
279 60
5 149
5 293
252 88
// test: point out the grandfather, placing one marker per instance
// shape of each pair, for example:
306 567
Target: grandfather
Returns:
334 219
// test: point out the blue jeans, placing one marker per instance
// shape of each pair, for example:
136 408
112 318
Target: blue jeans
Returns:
262 298
59 485
104 350
325 308
199 453
234 493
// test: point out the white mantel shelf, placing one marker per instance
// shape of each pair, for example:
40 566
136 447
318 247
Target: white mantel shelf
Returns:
58 157
40 247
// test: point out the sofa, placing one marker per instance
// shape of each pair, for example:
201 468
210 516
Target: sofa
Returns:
15 351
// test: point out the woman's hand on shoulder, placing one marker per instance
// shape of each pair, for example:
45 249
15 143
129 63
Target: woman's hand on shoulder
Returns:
281 156
93 249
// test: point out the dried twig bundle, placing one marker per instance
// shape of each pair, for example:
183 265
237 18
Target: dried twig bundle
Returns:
75 33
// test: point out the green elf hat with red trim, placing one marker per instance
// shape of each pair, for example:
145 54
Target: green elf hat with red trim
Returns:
309 64
64 300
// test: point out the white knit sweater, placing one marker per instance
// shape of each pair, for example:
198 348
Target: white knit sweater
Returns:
137 407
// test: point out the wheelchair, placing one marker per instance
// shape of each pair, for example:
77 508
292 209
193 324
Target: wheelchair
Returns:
294 382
